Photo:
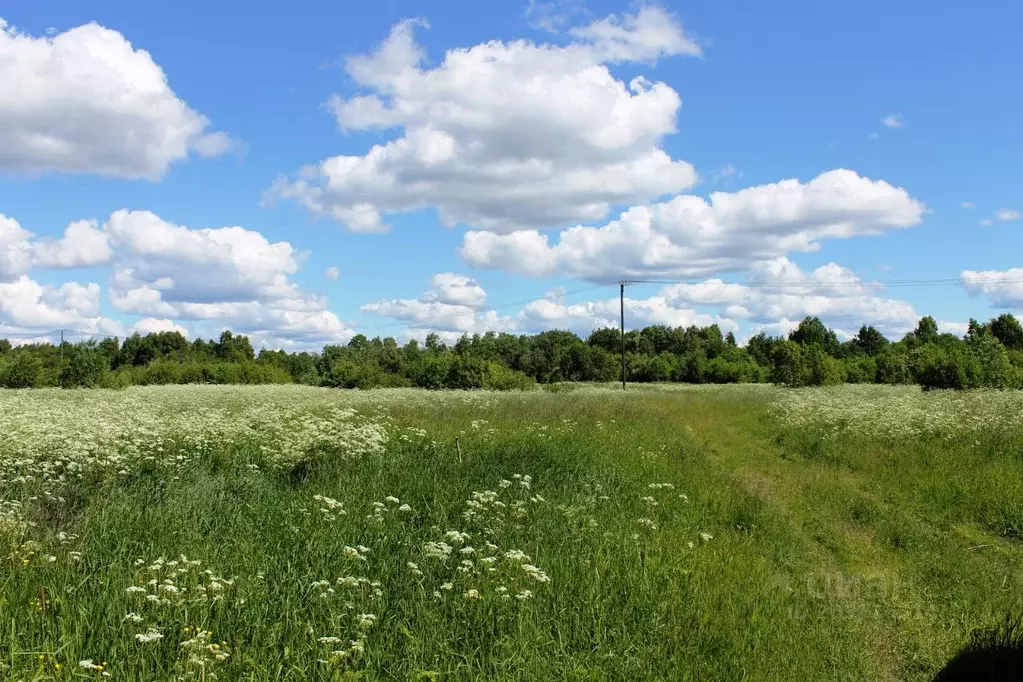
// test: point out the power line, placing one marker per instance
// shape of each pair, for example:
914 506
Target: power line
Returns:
812 284
503 306
794 284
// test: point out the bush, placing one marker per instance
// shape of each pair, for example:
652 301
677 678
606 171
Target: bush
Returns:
20 370
952 367
429 370
501 378
466 372
787 366
892 367
822 369
84 367
861 369
996 371
723 371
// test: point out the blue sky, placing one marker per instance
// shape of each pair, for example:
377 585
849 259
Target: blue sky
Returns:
769 92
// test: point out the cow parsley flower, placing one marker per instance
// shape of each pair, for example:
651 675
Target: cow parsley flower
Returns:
153 635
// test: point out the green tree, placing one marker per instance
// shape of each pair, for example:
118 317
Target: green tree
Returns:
1008 330
993 362
433 343
788 367
465 372
812 332
937 366
892 366
84 366
861 369
761 348
20 369
926 330
821 369
870 340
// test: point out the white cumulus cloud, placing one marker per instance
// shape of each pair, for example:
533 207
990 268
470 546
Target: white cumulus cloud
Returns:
150 325
15 249
88 101
229 276
28 308
779 293
688 236
505 136
454 303
1004 288
83 245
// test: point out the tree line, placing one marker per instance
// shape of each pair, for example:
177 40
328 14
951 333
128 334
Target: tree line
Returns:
989 355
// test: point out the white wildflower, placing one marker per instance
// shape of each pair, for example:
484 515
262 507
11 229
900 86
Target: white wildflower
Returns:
153 635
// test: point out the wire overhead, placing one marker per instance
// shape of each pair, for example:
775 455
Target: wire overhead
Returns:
795 284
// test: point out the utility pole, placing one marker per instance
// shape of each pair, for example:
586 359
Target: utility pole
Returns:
60 375
622 285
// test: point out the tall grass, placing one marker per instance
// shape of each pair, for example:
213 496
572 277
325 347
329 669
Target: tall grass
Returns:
404 535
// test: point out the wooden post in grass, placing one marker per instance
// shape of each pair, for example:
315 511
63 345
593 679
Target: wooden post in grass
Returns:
622 285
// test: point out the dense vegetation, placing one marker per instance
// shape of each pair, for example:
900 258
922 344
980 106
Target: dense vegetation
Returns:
669 532
989 355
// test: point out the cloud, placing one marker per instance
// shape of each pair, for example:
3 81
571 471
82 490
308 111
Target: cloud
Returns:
688 236
87 101
1007 214
454 303
642 37
552 15
967 204
152 325
957 328
451 316
777 296
780 290
893 121
15 249
727 172
187 267
28 308
83 245
587 316
452 289
332 273
505 136
215 277
986 222
1004 288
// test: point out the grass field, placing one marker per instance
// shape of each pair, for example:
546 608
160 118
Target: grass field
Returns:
283 533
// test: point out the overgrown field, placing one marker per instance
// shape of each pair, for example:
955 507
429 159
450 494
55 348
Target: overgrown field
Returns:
284 532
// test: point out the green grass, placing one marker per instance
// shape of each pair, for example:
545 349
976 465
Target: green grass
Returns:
850 556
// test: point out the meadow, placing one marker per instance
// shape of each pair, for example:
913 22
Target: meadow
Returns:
584 533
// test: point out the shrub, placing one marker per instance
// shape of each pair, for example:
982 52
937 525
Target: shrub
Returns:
21 370
822 369
787 366
429 370
996 371
952 367
501 378
466 372
861 369
892 367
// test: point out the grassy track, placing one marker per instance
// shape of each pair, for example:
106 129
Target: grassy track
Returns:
711 533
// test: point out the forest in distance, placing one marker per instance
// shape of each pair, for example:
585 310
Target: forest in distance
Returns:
989 355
